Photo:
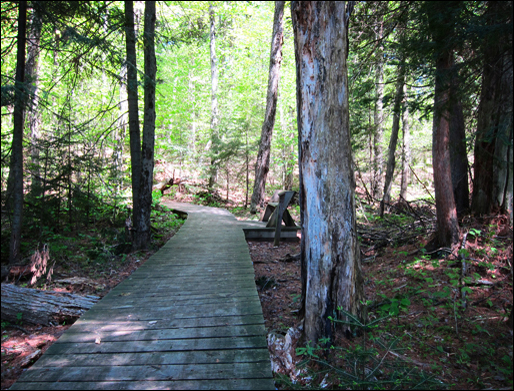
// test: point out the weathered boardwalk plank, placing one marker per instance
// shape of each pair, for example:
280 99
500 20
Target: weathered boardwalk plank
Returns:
223 384
162 358
189 318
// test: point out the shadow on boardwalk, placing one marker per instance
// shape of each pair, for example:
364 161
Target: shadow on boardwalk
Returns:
189 318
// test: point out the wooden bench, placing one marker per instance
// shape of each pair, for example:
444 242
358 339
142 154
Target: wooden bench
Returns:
276 212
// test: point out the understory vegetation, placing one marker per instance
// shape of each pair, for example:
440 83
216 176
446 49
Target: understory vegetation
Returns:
423 92
435 320
93 250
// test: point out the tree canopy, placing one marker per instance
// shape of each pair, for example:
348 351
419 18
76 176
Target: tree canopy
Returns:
103 102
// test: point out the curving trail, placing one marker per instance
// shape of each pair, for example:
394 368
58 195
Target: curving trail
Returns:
189 318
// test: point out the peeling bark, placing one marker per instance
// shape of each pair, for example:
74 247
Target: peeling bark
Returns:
330 260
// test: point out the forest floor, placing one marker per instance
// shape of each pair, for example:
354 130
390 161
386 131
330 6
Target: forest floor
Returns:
431 334
418 295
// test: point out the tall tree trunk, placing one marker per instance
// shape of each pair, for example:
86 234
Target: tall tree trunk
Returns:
446 211
283 130
458 153
289 155
405 146
16 164
191 95
391 160
147 150
263 157
378 135
119 134
442 30
330 260
489 111
214 143
502 180
508 191
133 113
33 116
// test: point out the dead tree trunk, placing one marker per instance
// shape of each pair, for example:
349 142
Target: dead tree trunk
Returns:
40 307
331 271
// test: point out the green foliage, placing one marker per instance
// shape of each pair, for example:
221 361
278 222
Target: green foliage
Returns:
307 351
183 97
156 198
395 306
362 366
475 232
163 219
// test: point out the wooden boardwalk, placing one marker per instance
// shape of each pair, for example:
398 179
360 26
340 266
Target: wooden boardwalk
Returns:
189 318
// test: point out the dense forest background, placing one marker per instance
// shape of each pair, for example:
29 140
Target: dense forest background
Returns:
76 144
430 115
76 160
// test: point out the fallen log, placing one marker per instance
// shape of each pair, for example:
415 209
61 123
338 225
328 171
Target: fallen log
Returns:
42 307
163 186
